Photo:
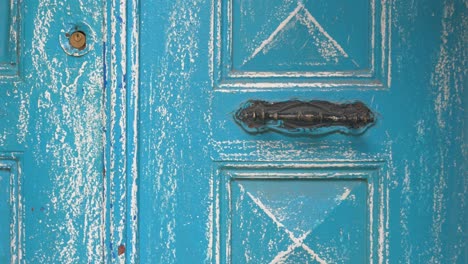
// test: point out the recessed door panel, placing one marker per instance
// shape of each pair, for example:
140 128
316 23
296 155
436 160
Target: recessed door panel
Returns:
271 44
9 33
314 212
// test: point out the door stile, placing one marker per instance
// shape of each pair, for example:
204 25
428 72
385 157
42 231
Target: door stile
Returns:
121 142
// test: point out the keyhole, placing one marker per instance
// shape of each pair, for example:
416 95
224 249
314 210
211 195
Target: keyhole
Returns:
78 40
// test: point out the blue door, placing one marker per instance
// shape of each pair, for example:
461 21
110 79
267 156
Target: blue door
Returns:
51 132
233 131
301 131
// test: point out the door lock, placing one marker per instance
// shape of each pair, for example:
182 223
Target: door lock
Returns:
78 40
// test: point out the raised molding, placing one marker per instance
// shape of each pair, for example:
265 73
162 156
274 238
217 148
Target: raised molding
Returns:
10 68
121 151
376 75
373 174
10 164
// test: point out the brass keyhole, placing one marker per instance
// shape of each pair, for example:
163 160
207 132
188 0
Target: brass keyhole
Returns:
78 40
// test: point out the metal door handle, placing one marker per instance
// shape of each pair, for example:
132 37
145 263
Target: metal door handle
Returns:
316 117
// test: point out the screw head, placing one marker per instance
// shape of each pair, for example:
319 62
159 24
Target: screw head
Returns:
78 40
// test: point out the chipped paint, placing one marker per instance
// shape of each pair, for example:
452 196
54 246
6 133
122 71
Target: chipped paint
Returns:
132 156
70 149
55 107
311 23
211 92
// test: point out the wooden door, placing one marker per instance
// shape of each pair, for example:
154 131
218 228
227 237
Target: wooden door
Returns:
51 133
233 131
215 190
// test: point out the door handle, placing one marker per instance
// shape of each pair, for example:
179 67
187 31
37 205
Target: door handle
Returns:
296 117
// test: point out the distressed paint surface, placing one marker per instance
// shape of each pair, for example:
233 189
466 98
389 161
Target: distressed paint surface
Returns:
295 209
202 59
130 154
120 168
51 126
4 32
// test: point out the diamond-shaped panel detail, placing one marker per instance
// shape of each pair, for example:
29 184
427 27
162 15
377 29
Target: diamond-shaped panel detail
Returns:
299 41
254 229
294 210
304 39
301 212
342 236
299 255
302 43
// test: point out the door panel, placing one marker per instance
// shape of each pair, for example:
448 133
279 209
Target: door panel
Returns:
287 44
211 192
51 136
300 211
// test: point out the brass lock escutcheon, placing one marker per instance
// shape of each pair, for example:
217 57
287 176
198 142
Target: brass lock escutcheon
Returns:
78 40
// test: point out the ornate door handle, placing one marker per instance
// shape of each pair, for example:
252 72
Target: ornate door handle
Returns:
315 117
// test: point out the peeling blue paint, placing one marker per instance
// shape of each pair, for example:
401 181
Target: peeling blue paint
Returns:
133 144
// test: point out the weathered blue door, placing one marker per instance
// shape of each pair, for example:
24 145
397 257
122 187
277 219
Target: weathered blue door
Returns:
51 133
213 190
233 131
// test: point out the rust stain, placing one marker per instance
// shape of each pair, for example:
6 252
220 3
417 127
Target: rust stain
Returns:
121 249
